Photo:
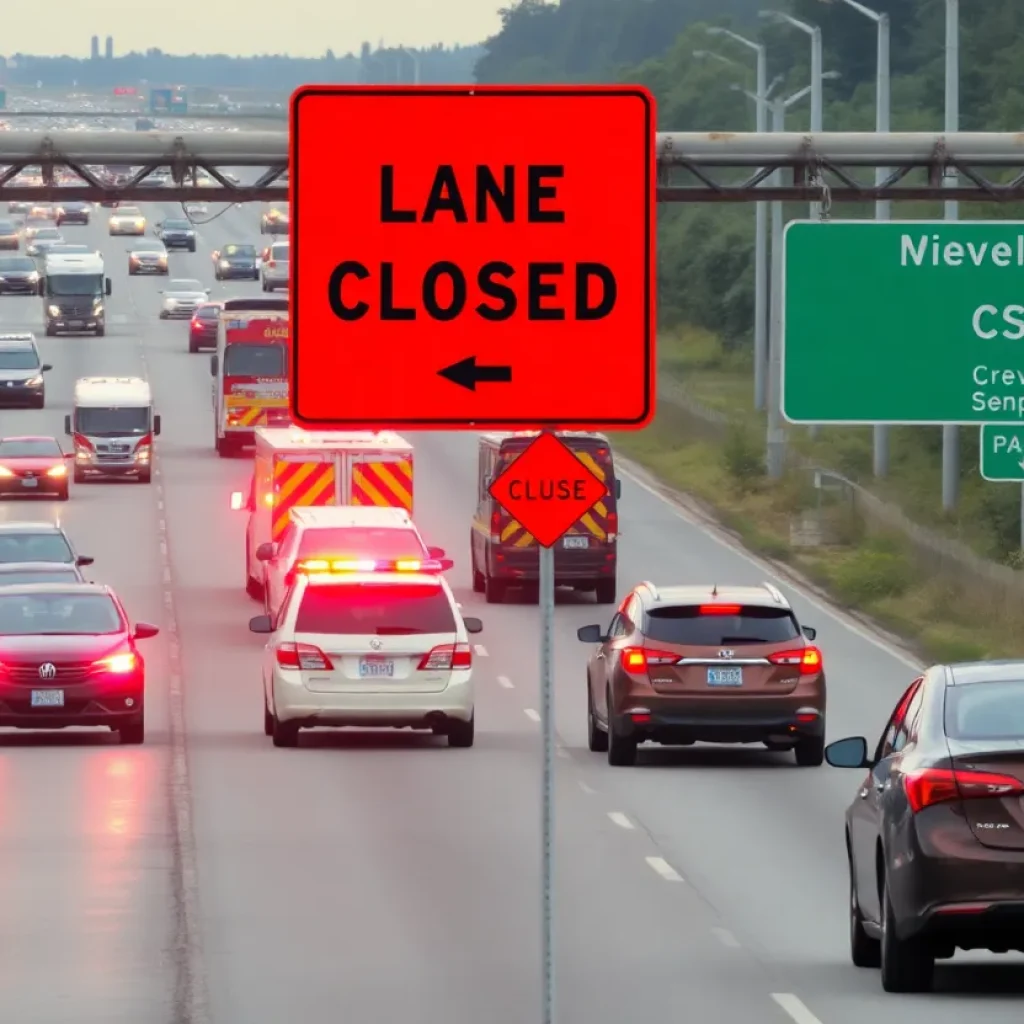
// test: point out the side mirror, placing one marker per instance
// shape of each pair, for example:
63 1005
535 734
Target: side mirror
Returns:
809 631
445 564
213 365
144 630
67 424
266 552
851 752
590 635
473 625
84 560
261 624
435 553
45 368
156 425
108 288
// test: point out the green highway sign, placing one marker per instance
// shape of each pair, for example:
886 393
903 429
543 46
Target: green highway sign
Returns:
911 322
1002 453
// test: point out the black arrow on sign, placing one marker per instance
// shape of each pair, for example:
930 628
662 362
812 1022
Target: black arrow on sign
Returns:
467 374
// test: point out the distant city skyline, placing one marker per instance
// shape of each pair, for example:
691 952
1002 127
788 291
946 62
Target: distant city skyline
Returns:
250 27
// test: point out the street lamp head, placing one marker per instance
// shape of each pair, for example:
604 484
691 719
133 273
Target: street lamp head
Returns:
832 75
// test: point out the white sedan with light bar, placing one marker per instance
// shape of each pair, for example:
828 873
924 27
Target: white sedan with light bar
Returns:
369 645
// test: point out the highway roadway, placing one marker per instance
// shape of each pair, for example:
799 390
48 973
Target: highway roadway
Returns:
208 877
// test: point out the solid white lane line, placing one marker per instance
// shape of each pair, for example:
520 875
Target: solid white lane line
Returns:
505 682
532 715
663 868
726 937
618 818
795 1007
481 651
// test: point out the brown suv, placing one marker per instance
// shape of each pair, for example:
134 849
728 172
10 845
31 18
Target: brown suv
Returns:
680 665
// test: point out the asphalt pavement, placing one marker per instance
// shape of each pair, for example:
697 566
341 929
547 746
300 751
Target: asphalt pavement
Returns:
209 877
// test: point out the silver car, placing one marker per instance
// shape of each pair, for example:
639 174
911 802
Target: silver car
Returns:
181 298
43 240
276 266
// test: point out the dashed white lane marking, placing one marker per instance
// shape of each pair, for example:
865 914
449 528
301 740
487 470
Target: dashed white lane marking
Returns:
726 938
505 682
795 1007
662 867
481 651
532 715
618 818
562 753
587 789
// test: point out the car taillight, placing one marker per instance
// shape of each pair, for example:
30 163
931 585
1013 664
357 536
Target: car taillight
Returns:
720 609
807 659
495 527
81 441
637 660
447 656
307 657
117 664
197 324
613 526
929 786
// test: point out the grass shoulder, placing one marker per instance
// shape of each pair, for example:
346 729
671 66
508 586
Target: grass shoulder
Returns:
708 443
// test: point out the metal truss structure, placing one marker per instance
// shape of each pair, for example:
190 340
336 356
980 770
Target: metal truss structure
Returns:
693 167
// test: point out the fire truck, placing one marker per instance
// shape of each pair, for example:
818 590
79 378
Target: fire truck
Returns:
295 468
250 371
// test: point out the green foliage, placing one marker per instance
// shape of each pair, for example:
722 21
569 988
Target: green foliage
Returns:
744 457
873 573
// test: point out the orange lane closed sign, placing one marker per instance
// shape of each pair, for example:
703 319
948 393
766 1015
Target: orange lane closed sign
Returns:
473 257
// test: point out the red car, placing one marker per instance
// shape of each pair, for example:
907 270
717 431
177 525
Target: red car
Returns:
33 465
68 657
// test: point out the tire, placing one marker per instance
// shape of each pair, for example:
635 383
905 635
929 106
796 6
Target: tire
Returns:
50 332
101 332
255 275
268 719
475 573
864 950
263 285
132 273
134 734
461 734
597 738
604 592
192 347
163 315
63 495
907 964
284 734
225 447
494 590
78 476
810 752
621 749
192 247
146 478
39 403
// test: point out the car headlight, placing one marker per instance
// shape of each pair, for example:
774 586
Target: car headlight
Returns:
34 382
54 310
225 264
97 308
33 277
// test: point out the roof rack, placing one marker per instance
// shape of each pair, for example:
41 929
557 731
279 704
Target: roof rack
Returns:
774 593
652 588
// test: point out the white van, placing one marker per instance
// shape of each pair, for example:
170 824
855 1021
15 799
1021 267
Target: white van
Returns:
113 426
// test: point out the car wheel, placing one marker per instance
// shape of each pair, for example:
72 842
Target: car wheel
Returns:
268 719
133 734
132 272
163 314
63 495
51 332
907 965
264 285
494 590
621 749
477 575
810 752
39 403
78 476
146 477
192 346
101 332
461 734
605 591
864 950
284 734
597 738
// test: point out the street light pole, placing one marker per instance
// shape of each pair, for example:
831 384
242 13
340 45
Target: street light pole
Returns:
415 64
951 432
760 227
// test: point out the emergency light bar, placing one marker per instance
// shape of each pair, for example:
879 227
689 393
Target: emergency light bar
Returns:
343 565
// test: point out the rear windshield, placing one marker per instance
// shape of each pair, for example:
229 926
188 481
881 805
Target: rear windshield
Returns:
250 359
30 448
685 625
34 547
985 711
208 312
374 609
38 614
360 542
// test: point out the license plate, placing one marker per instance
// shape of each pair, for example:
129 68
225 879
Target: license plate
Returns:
377 668
47 698
576 542
76 323
725 677
29 483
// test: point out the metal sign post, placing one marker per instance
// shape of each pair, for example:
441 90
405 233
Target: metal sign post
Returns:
546 602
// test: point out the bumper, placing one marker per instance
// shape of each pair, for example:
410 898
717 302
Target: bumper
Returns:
73 218
10 244
522 565
179 243
275 282
17 396
203 340
147 268
112 467
41 485
77 325
177 314
111 706
133 232
236 273
18 288
390 710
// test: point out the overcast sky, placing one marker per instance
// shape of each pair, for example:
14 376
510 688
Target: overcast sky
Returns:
245 26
